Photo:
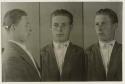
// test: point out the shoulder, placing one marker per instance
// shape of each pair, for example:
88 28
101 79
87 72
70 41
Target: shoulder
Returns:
118 44
75 48
92 47
12 61
46 47
92 50
13 55
118 47
12 50
10 53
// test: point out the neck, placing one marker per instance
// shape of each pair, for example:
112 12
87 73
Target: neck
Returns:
106 41
60 41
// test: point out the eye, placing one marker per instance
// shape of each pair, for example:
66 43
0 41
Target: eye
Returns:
63 24
55 25
103 23
27 25
96 23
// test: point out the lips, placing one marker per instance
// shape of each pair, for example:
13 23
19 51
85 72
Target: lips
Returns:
101 34
59 35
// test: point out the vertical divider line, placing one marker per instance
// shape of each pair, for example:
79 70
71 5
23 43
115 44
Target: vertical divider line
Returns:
1 41
39 31
83 23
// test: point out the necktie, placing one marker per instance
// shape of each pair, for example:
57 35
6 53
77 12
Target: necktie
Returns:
60 57
106 56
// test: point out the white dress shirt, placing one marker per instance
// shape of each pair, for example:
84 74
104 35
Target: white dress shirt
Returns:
106 50
60 51
29 54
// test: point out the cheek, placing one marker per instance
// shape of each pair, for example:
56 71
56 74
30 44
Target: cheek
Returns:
67 32
53 32
96 28
24 32
108 30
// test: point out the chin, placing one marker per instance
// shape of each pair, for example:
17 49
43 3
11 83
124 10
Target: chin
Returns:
61 41
102 39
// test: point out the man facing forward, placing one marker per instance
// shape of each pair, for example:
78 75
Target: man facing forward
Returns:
62 60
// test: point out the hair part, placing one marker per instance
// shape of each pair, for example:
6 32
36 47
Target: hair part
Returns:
63 12
13 17
112 15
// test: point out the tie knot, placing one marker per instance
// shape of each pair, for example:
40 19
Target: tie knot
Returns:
60 46
107 45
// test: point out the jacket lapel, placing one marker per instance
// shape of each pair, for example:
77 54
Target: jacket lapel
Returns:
99 62
113 60
67 61
66 65
52 58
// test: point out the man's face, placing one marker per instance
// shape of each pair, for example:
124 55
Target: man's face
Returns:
61 28
104 27
23 29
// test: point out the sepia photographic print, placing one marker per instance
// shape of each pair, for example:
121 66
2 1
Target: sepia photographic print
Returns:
61 41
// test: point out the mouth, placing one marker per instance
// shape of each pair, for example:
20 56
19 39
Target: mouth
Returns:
29 33
100 33
59 35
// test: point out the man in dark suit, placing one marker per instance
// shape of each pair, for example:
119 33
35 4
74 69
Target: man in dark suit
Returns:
61 60
105 57
18 64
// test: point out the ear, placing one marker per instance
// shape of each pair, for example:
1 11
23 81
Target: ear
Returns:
115 25
12 28
71 26
50 29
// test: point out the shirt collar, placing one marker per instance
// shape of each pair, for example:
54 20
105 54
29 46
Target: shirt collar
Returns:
65 44
109 43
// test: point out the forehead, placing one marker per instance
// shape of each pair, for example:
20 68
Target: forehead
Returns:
60 18
102 18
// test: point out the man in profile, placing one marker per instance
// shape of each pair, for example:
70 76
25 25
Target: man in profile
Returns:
61 60
105 57
18 65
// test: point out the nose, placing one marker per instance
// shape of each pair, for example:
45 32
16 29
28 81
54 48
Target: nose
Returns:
60 28
29 28
99 26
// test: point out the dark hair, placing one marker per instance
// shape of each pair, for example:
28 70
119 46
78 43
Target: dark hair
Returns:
13 17
64 13
110 13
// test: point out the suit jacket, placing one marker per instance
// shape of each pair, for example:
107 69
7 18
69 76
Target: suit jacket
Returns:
17 65
96 70
73 67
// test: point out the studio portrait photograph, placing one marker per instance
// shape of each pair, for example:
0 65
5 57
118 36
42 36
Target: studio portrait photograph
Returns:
62 42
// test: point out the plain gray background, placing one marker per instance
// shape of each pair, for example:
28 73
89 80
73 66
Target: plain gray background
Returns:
83 33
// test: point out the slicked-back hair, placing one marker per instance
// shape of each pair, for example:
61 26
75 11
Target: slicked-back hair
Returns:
63 12
112 15
13 17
